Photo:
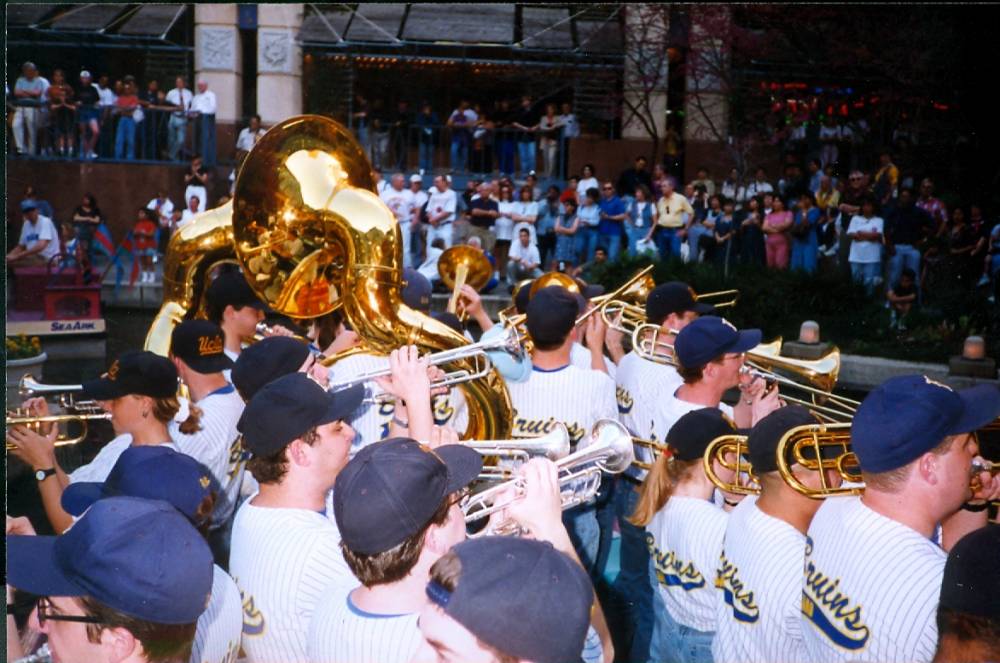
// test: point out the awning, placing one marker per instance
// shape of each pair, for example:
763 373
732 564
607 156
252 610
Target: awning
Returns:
96 23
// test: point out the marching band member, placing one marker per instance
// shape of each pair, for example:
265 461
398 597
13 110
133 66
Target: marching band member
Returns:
128 582
872 569
140 392
671 306
160 473
760 572
285 547
684 531
233 305
558 391
397 508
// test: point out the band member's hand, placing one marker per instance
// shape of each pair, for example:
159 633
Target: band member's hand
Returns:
20 526
38 407
409 379
469 301
764 403
595 333
38 451
442 435
345 340
613 336
539 510
279 330
985 486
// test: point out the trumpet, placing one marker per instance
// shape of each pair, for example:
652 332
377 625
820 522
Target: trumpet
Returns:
509 454
29 387
499 346
609 450
20 417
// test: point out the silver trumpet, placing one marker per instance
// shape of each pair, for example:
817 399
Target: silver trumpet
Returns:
495 347
608 449
511 454
42 655
29 387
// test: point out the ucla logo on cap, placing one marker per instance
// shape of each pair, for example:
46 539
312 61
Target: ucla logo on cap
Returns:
209 345
937 384
112 373
729 324
204 481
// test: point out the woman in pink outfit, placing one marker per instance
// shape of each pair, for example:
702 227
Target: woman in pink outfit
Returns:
777 242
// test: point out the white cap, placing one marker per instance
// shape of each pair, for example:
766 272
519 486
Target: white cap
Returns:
416 178
85 74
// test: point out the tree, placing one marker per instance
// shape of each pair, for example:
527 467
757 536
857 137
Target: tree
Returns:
647 30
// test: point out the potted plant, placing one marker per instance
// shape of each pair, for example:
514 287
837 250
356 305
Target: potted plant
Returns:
24 355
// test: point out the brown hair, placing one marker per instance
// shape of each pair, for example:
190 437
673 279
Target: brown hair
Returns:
161 643
164 410
392 565
692 375
892 481
272 469
963 636
667 473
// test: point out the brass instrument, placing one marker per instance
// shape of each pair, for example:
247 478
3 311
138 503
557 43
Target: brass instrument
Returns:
609 449
815 377
264 331
554 279
460 265
656 448
311 235
629 295
728 297
984 465
729 451
21 417
817 438
29 387
504 456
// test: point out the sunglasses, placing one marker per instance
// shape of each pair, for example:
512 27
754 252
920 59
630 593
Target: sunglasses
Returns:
44 607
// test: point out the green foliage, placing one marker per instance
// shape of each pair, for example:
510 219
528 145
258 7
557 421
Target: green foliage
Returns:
778 302
22 347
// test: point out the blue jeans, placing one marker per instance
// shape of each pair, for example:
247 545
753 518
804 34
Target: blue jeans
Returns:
632 583
613 243
586 243
125 138
675 643
206 139
459 153
668 243
634 235
581 523
176 130
805 255
427 157
869 274
905 256
695 233
505 158
526 154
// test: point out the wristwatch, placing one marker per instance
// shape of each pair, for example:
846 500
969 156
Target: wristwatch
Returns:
42 475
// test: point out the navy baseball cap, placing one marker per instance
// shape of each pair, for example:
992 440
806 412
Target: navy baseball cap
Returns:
390 490
267 360
416 290
285 408
136 372
710 337
691 435
28 205
907 416
138 556
762 442
200 343
522 297
152 472
520 596
672 297
552 314
971 582
232 289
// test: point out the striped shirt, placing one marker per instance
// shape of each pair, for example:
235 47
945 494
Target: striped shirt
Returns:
760 578
217 638
341 632
871 587
684 540
217 445
283 561
579 356
642 380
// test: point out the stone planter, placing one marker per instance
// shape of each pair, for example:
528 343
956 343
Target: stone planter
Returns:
18 368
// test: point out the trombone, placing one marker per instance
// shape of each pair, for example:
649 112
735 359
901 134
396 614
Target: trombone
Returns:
657 449
510 454
609 450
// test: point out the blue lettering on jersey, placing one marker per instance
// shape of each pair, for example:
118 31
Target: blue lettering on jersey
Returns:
830 610
386 409
735 593
253 621
625 402
442 409
671 571
538 427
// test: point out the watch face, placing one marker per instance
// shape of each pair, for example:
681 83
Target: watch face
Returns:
40 474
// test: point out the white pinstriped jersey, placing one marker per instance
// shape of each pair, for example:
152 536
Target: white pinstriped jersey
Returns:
579 356
372 421
871 587
283 561
684 540
760 578
575 396
341 632
217 446
217 638
638 381
100 467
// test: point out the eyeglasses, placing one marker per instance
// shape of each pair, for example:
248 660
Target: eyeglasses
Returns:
459 496
44 606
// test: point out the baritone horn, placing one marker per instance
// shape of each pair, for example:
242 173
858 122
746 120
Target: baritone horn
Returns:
609 449
503 457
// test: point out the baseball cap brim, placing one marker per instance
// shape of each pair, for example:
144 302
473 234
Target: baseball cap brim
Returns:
103 389
80 496
702 308
748 340
981 406
32 567
213 364
464 465
342 404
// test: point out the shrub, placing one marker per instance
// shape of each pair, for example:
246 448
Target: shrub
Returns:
21 347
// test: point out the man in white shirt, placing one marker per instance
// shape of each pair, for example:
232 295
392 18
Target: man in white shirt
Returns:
248 137
759 186
524 262
163 207
39 241
441 206
204 103
400 201
181 98
873 565
865 232
285 548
